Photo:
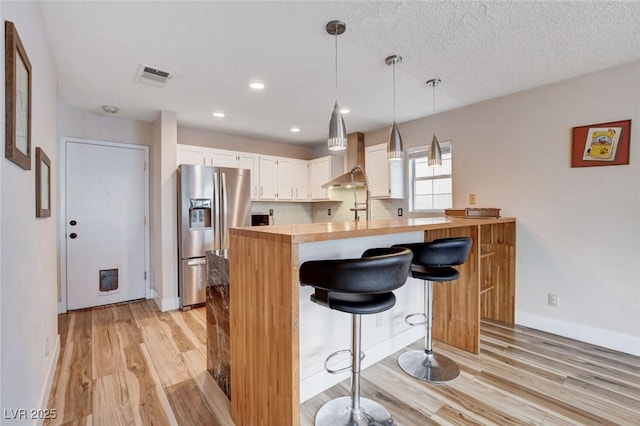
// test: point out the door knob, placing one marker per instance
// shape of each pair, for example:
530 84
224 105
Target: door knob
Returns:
73 235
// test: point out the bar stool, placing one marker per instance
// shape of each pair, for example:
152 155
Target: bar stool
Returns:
433 261
359 287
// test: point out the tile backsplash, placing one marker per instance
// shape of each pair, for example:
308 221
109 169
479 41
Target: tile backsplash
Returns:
284 213
296 213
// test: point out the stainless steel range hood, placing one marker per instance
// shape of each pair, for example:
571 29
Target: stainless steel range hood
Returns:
354 157
349 179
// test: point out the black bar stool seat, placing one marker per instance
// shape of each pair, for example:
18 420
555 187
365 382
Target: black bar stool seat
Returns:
359 286
433 261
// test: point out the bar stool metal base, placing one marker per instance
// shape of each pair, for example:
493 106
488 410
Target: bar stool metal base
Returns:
338 412
433 368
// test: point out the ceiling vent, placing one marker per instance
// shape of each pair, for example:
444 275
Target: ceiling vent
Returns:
152 76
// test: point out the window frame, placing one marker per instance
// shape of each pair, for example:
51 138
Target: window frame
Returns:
421 152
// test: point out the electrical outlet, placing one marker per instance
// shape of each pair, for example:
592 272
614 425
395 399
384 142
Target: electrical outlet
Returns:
328 212
400 211
552 300
270 212
472 198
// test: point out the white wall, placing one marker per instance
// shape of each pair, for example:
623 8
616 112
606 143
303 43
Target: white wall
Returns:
578 229
29 267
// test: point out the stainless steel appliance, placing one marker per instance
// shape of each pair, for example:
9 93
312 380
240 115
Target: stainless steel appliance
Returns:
210 201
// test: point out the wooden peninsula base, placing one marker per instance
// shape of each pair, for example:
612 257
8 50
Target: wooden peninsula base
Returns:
266 299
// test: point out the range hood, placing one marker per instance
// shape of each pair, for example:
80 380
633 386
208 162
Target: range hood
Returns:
349 179
355 160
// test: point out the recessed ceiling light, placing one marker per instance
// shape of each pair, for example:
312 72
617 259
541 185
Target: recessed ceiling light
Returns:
256 85
110 109
218 114
295 129
345 110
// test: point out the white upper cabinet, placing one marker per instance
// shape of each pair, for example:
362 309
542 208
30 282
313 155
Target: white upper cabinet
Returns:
250 161
321 171
284 172
301 180
199 155
267 178
386 178
272 178
224 158
187 154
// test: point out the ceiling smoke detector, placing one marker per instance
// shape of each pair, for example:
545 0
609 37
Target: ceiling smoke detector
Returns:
153 76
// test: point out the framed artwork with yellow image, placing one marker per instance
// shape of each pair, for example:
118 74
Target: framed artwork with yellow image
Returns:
604 144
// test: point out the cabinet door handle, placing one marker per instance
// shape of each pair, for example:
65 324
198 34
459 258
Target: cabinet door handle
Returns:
261 192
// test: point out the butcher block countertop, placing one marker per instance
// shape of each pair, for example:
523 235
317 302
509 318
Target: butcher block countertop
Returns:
310 232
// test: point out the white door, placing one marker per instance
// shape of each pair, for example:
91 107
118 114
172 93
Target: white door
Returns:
105 224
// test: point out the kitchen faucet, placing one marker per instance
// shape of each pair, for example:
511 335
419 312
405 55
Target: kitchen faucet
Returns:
367 202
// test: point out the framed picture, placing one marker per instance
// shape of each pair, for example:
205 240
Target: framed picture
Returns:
604 144
43 184
17 99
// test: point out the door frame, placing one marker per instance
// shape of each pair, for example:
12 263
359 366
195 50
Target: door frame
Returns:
62 218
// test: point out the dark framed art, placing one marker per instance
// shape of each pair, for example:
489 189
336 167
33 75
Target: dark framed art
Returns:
17 99
43 184
604 144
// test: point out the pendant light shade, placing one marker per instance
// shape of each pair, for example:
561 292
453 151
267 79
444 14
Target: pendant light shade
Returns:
337 140
395 148
337 131
435 153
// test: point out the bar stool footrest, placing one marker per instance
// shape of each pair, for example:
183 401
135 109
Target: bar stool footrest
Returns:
424 321
340 370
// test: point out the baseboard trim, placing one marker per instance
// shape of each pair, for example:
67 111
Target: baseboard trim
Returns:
608 339
46 391
321 381
165 304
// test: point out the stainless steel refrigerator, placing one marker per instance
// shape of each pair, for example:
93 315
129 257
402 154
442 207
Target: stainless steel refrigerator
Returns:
210 201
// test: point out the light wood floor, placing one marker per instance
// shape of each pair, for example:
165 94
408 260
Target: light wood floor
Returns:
132 364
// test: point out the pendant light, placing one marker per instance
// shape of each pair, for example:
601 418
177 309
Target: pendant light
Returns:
435 154
337 140
395 149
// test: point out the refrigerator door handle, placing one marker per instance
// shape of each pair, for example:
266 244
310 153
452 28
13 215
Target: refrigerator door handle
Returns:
195 262
224 213
217 243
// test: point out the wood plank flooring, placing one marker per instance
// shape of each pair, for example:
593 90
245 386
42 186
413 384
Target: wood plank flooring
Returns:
131 364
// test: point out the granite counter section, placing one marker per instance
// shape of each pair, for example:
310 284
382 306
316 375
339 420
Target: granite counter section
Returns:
218 343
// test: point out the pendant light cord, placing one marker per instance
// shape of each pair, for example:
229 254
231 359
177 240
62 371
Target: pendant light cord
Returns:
434 107
394 91
336 37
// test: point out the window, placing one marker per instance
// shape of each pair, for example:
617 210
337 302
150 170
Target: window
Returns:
431 188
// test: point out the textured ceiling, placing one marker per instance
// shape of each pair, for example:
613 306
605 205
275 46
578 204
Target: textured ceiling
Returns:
480 50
